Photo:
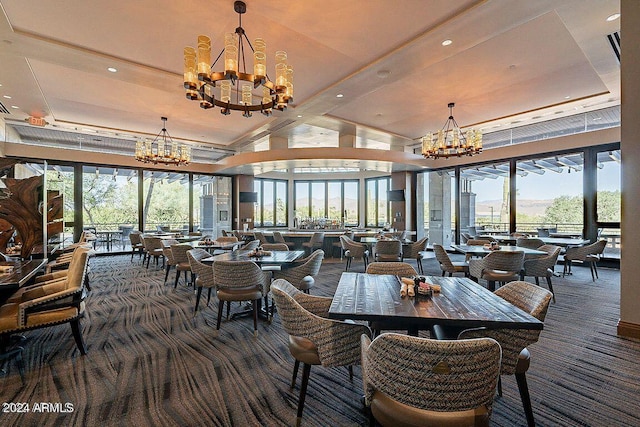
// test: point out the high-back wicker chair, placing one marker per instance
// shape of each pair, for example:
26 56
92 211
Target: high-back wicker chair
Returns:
254 244
448 266
258 235
203 273
388 250
275 247
303 275
420 381
316 242
153 248
352 249
397 268
313 338
587 254
417 251
515 356
542 266
278 238
529 242
240 281
181 260
497 266
168 260
135 237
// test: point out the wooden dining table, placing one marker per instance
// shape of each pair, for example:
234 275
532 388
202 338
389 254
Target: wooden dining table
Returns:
481 251
461 303
281 258
21 273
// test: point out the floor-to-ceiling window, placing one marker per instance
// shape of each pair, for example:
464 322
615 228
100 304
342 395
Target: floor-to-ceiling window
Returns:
608 198
271 208
378 208
484 198
550 194
330 204
60 179
166 201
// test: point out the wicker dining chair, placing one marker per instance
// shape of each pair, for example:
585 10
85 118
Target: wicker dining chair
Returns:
313 338
316 242
402 269
254 244
258 235
352 249
587 254
529 242
168 260
412 381
516 358
448 266
542 266
240 281
303 275
136 243
203 273
388 250
153 248
497 266
278 238
181 260
417 251
275 247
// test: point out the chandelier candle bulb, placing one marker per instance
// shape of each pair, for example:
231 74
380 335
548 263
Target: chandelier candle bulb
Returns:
259 59
231 54
281 69
289 91
204 56
190 77
225 91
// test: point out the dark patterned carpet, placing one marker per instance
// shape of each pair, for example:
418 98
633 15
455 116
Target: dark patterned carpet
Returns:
150 362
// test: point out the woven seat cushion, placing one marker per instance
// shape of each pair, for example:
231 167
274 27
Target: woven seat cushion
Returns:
304 350
183 266
249 293
499 275
391 412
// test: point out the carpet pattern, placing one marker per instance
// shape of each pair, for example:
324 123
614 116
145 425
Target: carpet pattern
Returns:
151 362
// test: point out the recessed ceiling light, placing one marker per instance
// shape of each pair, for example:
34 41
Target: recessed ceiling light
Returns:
446 42
299 116
339 95
567 97
113 70
383 74
15 106
6 96
613 17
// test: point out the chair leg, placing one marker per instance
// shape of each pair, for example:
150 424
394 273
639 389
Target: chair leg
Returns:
256 304
296 366
521 379
306 371
500 386
209 296
77 335
198 297
594 270
175 285
228 308
220 308
166 274
553 294
420 269
350 372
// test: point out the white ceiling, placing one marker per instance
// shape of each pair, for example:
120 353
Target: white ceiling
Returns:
509 59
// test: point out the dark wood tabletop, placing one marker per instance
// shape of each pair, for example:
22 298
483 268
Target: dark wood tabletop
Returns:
477 250
22 273
461 303
275 257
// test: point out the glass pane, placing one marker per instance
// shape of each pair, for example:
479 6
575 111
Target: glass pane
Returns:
257 207
422 200
372 211
60 179
268 211
166 201
439 188
281 203
608 177
484 199
335 213
318 200
351 199
549 194
211 204
383 203
110 205
302 201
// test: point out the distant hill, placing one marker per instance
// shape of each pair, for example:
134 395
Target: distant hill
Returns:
528 207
